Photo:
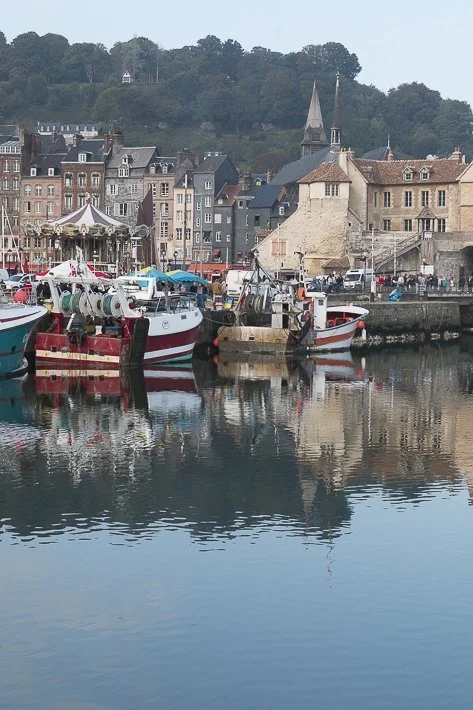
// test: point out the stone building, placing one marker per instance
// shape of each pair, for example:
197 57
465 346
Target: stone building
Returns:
83 174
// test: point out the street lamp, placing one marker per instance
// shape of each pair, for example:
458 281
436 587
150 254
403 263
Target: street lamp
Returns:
176 253
162 254
365 256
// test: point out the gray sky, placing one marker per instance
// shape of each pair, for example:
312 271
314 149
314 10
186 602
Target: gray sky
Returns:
412 41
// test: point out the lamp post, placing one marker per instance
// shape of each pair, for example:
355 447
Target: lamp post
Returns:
175 259
162 254
365 256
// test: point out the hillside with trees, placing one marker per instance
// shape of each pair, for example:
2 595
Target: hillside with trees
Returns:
216 96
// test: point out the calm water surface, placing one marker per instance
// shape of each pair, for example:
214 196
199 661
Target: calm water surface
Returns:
243 535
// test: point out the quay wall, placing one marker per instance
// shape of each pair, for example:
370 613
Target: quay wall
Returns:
419 317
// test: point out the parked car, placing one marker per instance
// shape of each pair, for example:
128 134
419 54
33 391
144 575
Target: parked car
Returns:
14 283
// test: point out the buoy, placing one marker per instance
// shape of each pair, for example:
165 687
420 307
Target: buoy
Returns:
361 324
215 342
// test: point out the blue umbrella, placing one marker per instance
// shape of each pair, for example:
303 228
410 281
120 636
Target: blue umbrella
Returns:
184 277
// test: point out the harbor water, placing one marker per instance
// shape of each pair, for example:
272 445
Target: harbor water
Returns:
240 535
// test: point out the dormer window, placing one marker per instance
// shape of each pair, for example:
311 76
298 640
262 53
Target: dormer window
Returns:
82 157
152 169
33 172
51 171
164 168
424 174
124 171
408 175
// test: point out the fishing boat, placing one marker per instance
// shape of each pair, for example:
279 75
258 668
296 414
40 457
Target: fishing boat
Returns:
296 327
16 323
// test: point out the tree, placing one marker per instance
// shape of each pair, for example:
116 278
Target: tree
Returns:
453 125
137 56
54 47
279 94
86 62
331 57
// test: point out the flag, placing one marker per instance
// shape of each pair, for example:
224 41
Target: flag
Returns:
145 211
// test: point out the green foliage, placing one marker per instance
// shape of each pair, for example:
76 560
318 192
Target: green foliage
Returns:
216 96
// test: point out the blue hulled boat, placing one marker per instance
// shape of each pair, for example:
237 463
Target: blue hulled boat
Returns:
16 323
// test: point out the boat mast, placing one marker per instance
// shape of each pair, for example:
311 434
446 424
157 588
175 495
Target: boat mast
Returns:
3 237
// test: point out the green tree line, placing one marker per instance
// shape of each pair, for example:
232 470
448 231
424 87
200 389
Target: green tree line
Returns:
217 95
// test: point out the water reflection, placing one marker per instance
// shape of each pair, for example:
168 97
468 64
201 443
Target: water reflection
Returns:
232 448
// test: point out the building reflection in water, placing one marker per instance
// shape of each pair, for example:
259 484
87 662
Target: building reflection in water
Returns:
235 445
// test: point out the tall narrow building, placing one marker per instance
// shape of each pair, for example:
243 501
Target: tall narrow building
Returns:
336 131
314 134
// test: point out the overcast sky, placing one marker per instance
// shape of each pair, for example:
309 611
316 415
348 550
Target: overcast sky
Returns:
397 43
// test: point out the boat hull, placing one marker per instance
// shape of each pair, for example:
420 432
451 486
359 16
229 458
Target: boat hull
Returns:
16 324
172 336
94 352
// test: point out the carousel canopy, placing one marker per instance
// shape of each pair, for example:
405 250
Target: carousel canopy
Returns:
89 216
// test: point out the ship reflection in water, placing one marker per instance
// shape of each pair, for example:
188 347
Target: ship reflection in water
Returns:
185 443
330 497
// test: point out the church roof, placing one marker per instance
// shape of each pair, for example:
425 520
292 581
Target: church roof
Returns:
314 134
292 172
327 172
376 154
391 172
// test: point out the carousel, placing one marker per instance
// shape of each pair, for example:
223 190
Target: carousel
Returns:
108 244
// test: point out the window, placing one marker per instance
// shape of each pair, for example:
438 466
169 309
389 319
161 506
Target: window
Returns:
51 172
229 220
27 207
37 207
32 171
331 189
424 174
26 242
281 211
188 234
153 188
165 167
208 185
188 215
82 157
164 189
229 238
278 247
408 199
95 180
408 225
179 234
247 220
123 209
188 199
15 221
16 204
408 175
441 225
179 215
27 190
198 205
50 190
375 199
208 218
82 180
164 229
124 171
16 166
5 202
134 188
218 219
68 202
37 242
386 199
15 183
197 221
424 198
37 190
442 198
164 211
82 200
218 236
257 220
6 167
241 204
180 198
207 201
68 179
197 237
96 200
112 189
49 209
5 183
387 225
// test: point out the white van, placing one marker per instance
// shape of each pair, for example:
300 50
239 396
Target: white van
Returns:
235 280
357 278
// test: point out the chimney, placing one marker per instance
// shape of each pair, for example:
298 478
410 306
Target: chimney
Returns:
106 143
269 176
457 155
117 140
247 181
350 153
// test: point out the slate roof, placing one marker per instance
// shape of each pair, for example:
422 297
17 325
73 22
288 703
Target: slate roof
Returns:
141 157
266 196
292 172
93 148
211 164
44 161
327 172
390 172
376 154
227 194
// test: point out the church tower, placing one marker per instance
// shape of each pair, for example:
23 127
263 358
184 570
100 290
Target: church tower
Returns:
314 134
336 131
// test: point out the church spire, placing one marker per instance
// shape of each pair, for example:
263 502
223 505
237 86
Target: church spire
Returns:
314 134
336 131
